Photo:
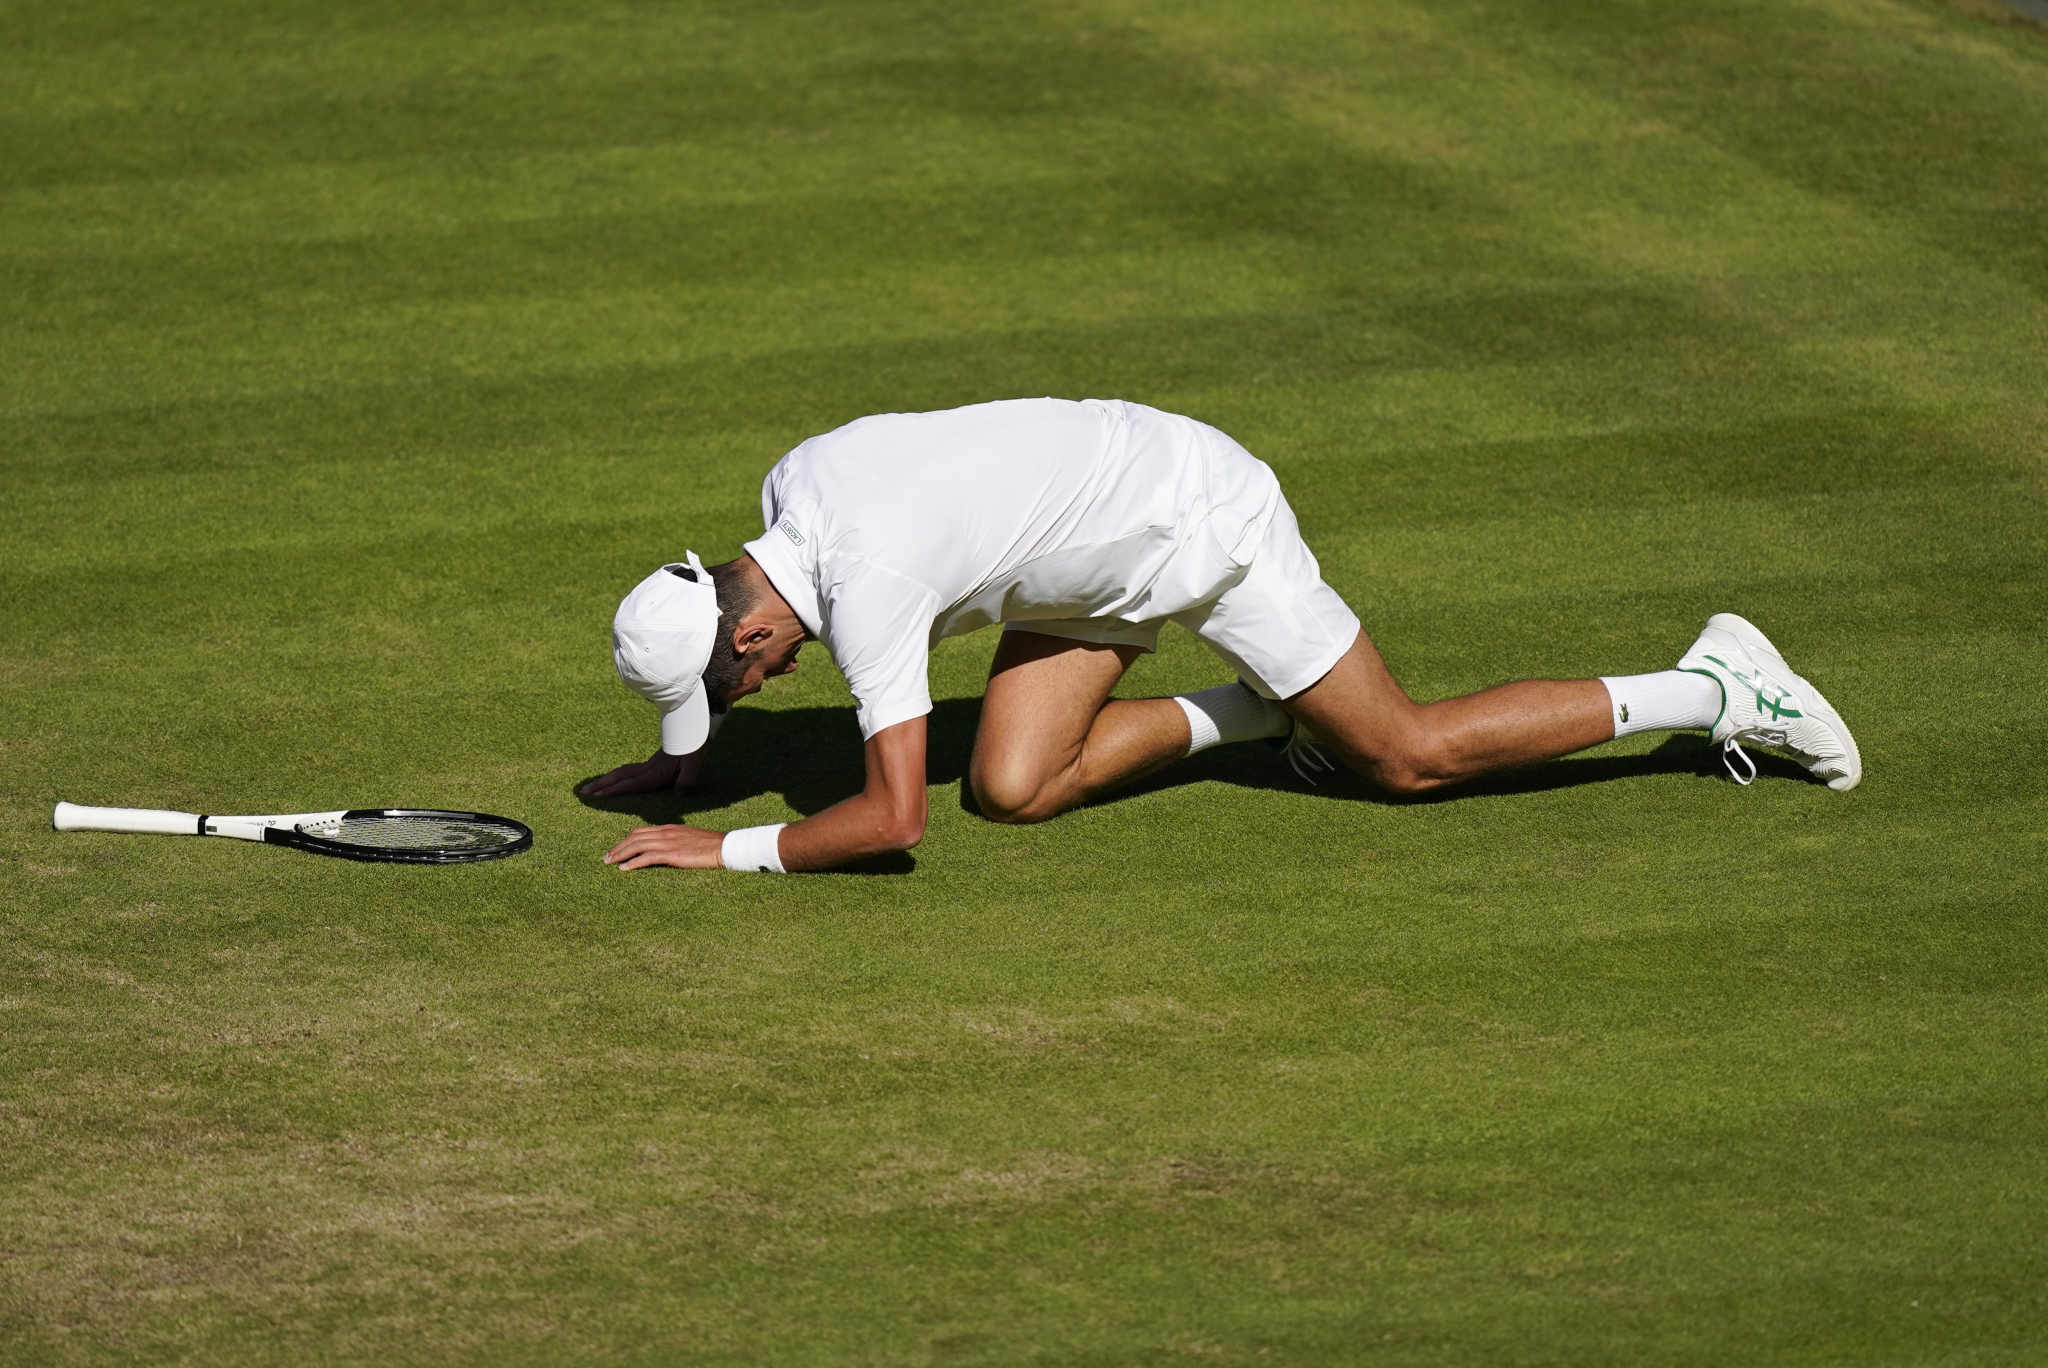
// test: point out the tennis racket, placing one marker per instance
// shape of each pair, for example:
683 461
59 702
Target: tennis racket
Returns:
386 835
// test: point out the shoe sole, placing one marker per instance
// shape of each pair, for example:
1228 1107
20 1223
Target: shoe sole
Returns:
1754 641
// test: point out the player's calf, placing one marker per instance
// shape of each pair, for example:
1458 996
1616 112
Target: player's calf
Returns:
1361 714
1020 783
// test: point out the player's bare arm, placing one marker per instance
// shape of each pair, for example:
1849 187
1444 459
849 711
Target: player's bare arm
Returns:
886 816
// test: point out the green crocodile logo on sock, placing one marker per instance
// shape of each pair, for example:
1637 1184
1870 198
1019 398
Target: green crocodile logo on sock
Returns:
1779 703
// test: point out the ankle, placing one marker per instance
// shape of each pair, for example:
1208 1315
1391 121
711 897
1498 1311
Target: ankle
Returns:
1230 712
1669 700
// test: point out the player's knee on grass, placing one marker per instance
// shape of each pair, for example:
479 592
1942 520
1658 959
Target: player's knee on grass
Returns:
1403 780
1406 764
1011 794
1415 764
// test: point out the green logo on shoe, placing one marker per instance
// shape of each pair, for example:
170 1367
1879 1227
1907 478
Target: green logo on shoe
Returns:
1779 703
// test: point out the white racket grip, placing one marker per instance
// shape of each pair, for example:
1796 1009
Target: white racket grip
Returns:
152 821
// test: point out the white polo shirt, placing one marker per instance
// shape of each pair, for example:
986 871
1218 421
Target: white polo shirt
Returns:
894 532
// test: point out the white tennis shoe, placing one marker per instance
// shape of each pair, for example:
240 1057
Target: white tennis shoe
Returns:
1766 705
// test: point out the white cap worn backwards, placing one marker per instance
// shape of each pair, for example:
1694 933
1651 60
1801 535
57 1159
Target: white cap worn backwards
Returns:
662 637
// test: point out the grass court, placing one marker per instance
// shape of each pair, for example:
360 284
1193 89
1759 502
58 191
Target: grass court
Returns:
359 356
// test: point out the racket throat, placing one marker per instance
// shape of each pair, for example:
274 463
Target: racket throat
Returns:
270 829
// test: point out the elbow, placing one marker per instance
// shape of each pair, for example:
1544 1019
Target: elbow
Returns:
904 826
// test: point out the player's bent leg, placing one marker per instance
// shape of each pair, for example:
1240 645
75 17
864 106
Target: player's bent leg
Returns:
1361 713
1050 739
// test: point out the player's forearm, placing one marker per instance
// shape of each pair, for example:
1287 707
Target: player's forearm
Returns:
864 825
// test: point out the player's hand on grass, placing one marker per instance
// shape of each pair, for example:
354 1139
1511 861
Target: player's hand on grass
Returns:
685 847
659 771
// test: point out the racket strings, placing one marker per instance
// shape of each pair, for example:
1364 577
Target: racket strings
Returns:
418 833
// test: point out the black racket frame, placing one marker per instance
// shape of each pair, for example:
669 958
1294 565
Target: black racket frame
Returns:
320 845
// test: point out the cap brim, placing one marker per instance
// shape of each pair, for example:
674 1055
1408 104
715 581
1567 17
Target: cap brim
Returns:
685 726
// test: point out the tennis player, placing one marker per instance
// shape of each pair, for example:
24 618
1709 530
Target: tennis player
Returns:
1083 528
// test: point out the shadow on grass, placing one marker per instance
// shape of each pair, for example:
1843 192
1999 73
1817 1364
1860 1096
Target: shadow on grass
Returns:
812 757
1680 753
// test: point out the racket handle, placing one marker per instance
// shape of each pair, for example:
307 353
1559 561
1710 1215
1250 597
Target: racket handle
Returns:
72 817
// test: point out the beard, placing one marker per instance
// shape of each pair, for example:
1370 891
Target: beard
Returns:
725 674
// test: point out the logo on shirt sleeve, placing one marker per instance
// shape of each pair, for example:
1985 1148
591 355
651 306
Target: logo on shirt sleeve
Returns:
788 529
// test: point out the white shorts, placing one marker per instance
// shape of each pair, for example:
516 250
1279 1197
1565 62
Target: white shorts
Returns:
1279 626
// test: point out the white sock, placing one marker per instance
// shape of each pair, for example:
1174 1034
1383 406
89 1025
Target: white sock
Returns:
1230 712
1669 700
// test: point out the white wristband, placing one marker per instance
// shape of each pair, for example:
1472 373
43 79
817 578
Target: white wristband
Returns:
757 850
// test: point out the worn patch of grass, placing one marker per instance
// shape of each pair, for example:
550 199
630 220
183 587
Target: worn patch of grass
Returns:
359 356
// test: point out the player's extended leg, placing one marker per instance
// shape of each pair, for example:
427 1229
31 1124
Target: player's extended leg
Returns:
1050 739
1359 712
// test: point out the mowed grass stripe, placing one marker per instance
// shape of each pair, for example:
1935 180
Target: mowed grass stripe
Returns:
640 82
1548 352
268 349
314 205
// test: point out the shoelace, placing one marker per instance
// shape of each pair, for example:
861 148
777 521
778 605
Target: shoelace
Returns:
1306 755
1731 749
